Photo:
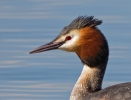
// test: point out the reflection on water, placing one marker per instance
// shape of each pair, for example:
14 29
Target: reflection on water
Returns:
52 75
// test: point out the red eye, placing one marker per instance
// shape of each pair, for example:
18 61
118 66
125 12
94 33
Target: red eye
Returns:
68 38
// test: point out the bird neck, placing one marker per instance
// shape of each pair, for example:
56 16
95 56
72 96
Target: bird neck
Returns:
89 81
93 52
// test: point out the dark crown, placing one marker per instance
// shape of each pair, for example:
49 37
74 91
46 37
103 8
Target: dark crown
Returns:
80 22
84 21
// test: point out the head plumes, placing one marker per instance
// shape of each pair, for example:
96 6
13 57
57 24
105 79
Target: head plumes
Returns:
80 22
84 21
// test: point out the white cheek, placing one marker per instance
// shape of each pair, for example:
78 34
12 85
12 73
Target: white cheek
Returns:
70 44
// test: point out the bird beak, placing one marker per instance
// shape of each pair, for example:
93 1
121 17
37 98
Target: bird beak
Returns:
49 46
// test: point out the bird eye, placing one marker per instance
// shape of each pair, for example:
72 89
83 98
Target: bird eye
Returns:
68 38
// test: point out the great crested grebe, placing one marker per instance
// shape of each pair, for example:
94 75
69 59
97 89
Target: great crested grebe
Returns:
87 41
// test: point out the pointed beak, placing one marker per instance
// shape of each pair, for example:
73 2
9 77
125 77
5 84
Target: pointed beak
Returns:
49 46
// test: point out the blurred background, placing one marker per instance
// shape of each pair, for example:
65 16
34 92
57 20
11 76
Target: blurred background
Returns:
27 24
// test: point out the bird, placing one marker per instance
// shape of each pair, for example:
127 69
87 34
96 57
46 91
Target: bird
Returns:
83 37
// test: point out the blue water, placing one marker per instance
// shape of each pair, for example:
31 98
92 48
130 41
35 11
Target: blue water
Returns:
27 24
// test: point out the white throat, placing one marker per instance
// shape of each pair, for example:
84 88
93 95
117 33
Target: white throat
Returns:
89 81
86 69
81 87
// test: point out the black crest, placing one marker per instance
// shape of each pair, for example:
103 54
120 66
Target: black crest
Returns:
84 21
80 22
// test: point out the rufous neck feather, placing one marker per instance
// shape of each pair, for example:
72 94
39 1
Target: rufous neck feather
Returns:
93 49
93 53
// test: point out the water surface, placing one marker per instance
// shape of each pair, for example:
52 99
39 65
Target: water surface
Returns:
27 24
